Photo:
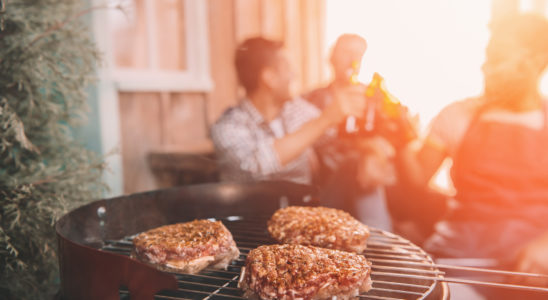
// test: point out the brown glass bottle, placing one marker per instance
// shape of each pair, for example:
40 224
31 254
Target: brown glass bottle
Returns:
384 116
394 121
352 126
362 126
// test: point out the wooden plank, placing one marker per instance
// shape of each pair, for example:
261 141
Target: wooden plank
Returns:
140 125
129 37
185 120
165 107
247 19
222 45
292 38
311 18
322 59
272 19
170 34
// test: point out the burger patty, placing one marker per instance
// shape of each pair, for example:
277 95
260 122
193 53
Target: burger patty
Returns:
187 247
304 272
318 226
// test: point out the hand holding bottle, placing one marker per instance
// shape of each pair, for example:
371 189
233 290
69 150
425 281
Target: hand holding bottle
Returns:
348 101
376 167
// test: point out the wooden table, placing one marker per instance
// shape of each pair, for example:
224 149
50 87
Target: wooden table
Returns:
183 165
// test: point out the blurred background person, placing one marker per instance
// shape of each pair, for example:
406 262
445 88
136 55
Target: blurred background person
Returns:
353 171
498 142
269 135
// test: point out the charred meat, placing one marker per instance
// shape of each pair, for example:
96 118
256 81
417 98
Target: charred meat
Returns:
304 272
318 226
187 247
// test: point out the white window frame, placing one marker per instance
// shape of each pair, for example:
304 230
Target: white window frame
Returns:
196 78
112 80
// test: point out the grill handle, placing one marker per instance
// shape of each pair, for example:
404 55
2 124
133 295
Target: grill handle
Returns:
91 274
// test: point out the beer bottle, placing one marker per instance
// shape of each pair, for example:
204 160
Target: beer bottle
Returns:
352 126
366 125
395 121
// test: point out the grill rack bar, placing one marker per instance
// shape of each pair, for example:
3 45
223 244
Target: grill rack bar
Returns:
378 297
471 282
249 235
126 249
461 268
377 246
384 250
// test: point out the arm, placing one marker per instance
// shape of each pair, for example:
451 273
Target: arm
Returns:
418 163
533 259
238 149
375 166
348 101
292 145
419 160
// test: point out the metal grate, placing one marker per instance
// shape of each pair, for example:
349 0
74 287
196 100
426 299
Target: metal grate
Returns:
401 270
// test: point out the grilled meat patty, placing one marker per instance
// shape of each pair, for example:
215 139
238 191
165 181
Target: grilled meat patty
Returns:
318 226
187 247
304 272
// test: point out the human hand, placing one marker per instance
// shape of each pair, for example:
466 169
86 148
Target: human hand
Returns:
348 101
533 259
376 167
406 128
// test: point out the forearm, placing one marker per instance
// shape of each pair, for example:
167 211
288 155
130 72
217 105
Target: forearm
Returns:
409 168
418 163
294 144
349 101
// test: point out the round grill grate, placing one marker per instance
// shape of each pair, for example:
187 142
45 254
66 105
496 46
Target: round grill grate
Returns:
401 270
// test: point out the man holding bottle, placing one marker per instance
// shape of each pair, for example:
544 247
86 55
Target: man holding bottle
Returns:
356 166
270 134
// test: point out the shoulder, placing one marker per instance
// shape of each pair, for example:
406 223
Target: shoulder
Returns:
460 109
448 128
231 118
456 114
299 106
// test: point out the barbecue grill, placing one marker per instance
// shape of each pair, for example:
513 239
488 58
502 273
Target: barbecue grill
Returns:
95 244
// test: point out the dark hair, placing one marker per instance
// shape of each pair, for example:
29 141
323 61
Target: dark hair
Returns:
528 29
252 56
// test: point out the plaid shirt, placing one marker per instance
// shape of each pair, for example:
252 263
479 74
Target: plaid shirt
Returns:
244 143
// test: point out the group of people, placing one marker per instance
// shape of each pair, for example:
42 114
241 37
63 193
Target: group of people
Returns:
498 142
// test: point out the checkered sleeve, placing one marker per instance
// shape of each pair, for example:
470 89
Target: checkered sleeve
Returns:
241 151
298 112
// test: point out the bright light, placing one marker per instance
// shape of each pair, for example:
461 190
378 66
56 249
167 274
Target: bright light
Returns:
531 6
429 51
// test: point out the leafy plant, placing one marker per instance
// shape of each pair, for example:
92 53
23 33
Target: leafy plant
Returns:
47 59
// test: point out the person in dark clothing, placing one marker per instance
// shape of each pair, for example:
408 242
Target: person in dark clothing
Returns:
352 172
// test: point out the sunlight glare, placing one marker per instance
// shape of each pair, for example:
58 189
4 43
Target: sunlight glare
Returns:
429 51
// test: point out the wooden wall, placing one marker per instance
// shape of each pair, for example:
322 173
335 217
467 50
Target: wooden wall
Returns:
179 122
299 23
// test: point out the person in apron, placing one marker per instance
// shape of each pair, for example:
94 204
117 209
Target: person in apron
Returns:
499 146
